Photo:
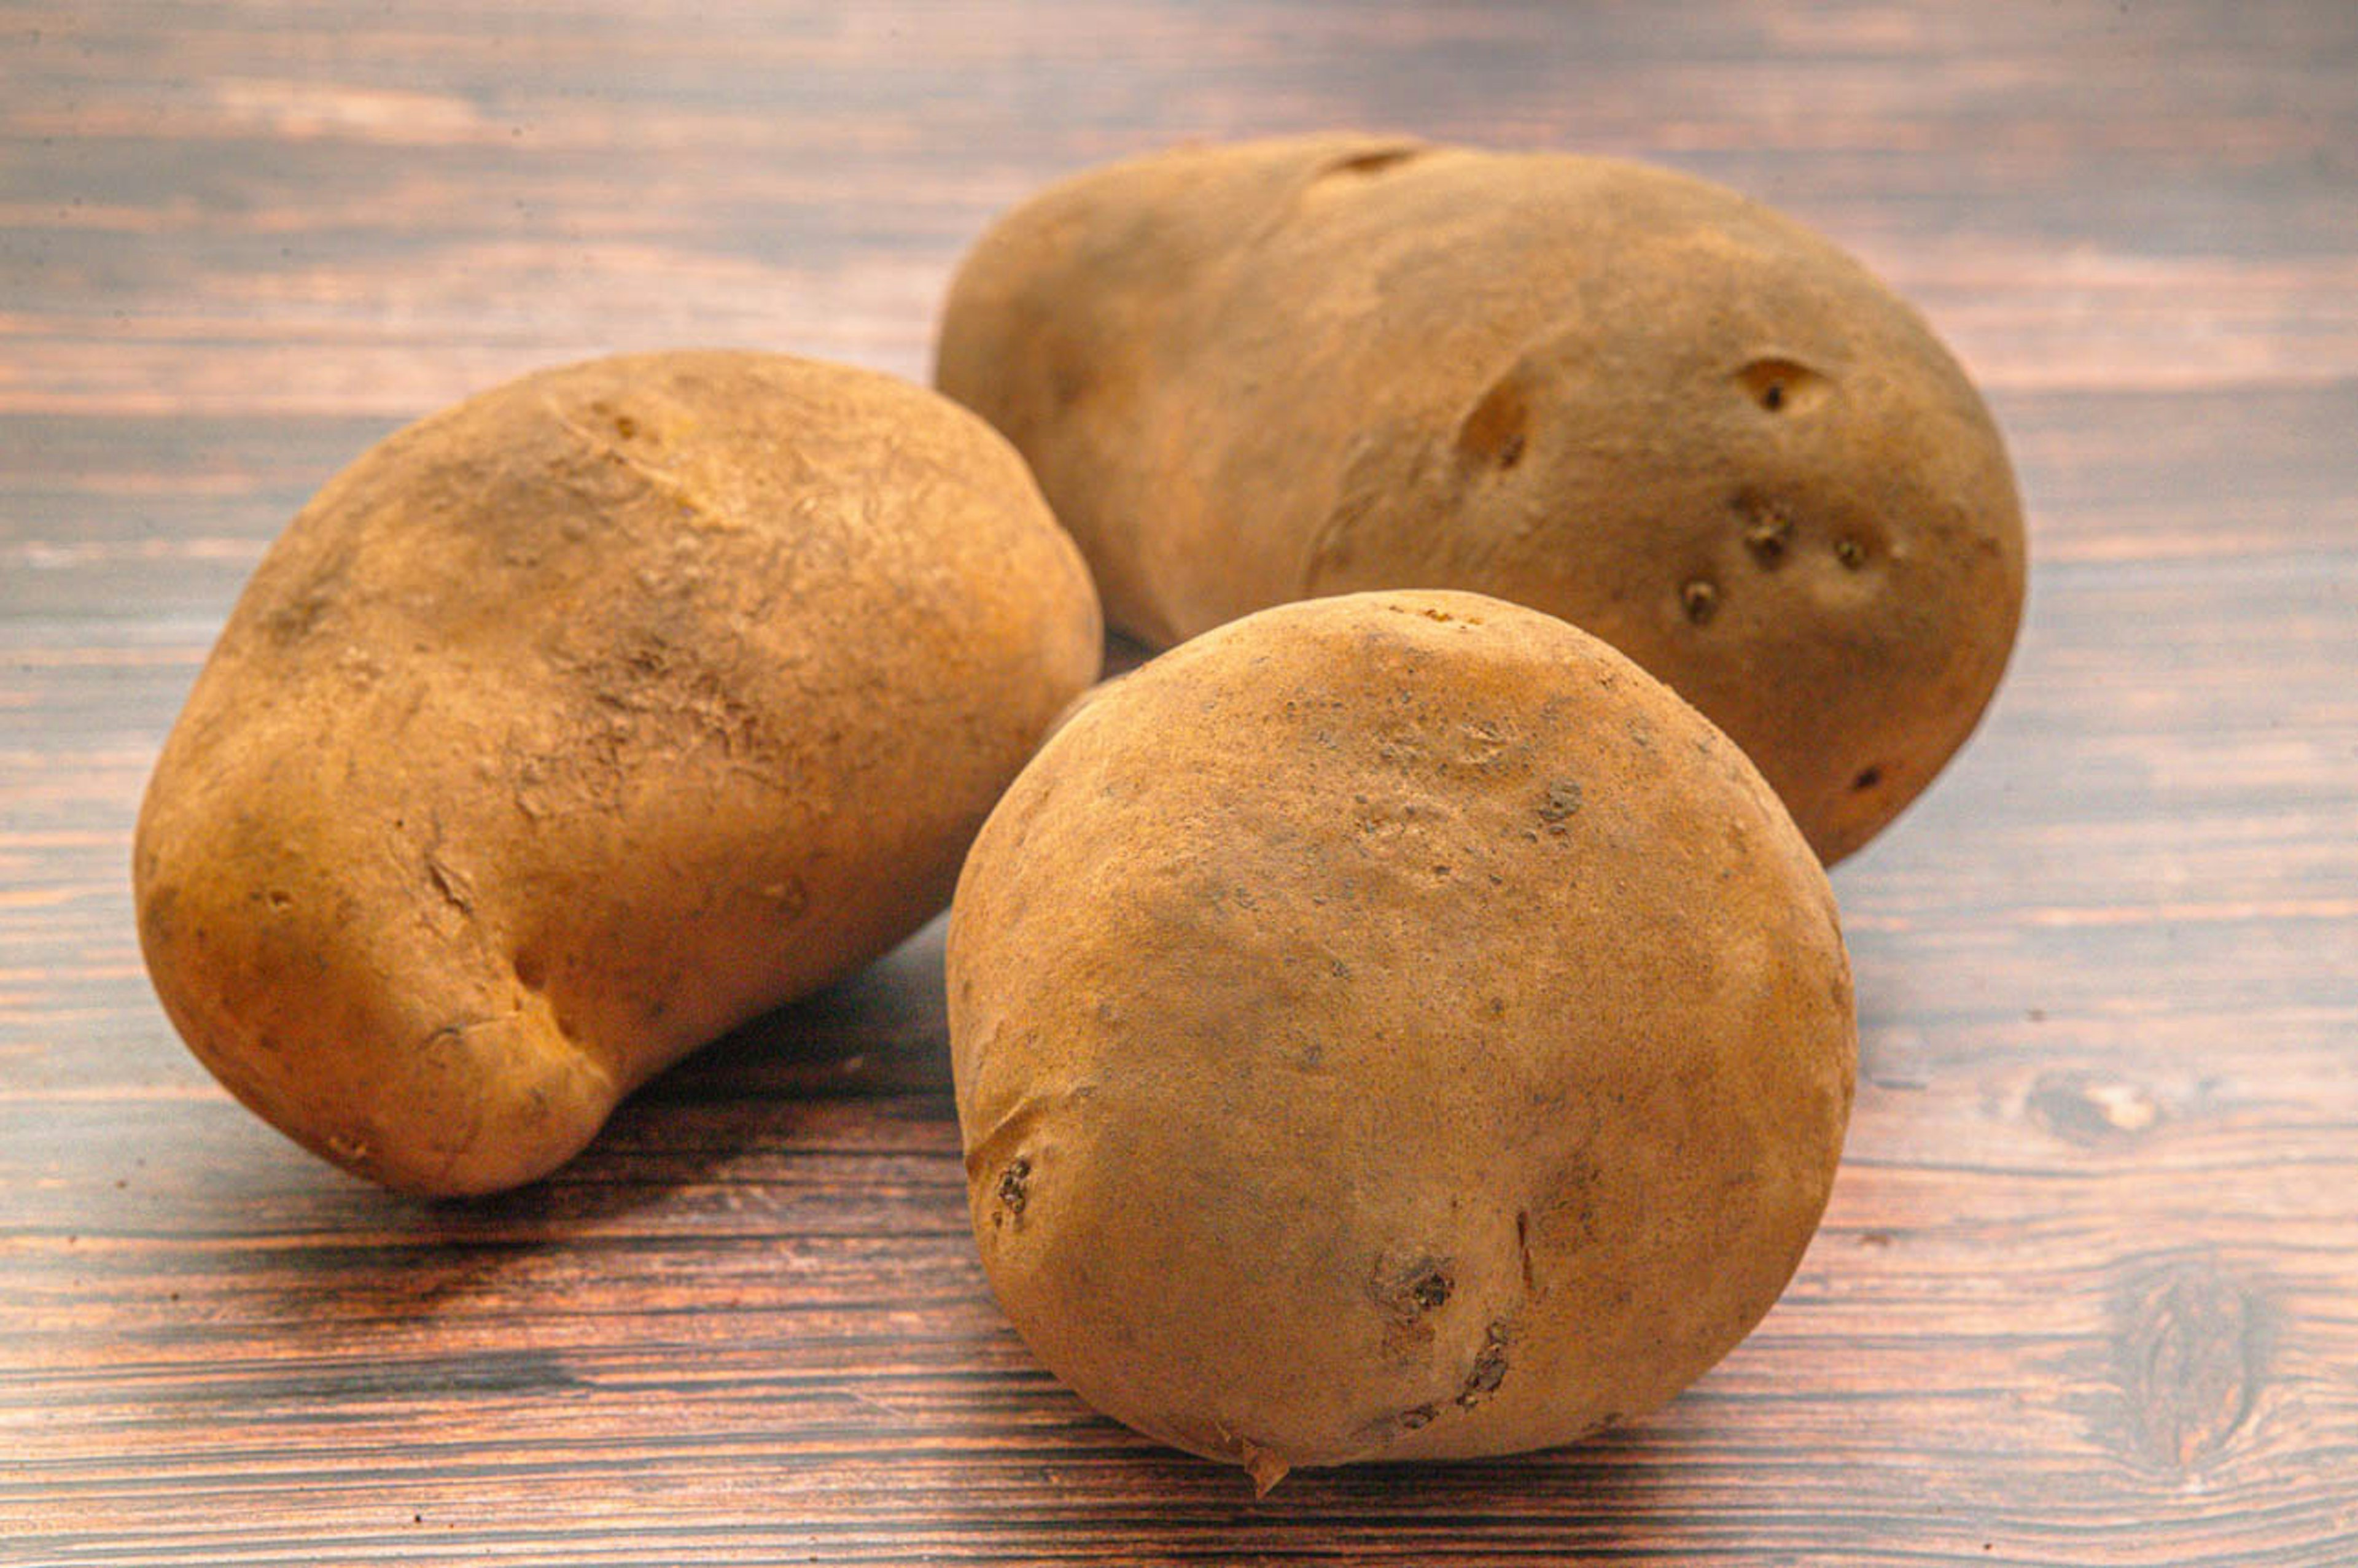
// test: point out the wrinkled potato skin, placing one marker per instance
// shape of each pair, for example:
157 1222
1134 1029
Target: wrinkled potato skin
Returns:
1392 1026
570 727
1260 373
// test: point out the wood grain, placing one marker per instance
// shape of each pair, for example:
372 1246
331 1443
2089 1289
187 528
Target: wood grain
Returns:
2088 1292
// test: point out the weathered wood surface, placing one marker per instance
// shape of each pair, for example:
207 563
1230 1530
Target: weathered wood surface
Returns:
2088 1292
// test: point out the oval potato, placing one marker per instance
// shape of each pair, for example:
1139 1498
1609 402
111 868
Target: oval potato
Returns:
573 725
1392 1026
1260 373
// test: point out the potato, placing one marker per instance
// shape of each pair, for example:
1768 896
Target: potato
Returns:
576 724
1267 371
1392 1026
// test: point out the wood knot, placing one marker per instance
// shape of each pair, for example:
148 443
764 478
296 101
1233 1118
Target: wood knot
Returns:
2091 1111
2192 1355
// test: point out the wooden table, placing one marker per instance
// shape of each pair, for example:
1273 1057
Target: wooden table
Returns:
2088 1292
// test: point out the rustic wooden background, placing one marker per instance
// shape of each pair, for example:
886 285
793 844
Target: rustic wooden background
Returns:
2088 1292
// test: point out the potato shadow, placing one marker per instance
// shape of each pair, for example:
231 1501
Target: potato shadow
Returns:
863 1062
1123 654
1033 1462
861 1066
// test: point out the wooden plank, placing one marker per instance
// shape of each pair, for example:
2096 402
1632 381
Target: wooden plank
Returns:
2088 1290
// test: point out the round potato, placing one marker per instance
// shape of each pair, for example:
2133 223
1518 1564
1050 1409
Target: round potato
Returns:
1638 401
572 726
1392 1026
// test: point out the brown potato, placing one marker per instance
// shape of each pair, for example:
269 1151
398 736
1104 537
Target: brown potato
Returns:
569 727
1262 372
1392 1026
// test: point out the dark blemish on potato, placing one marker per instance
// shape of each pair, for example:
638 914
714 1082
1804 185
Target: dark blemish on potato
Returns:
280 899
451 883
1767 530
1419 1416
1068 378
1494 431
1523 1249
1408 1296
1700 599
1490 1368
791 898
1374 162
1850 553
529 971
1780 386
1868 777
294 621
625 426
1014 1189
1562 800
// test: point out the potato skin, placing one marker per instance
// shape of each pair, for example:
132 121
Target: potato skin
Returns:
1392 1026
1260 373
572 726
